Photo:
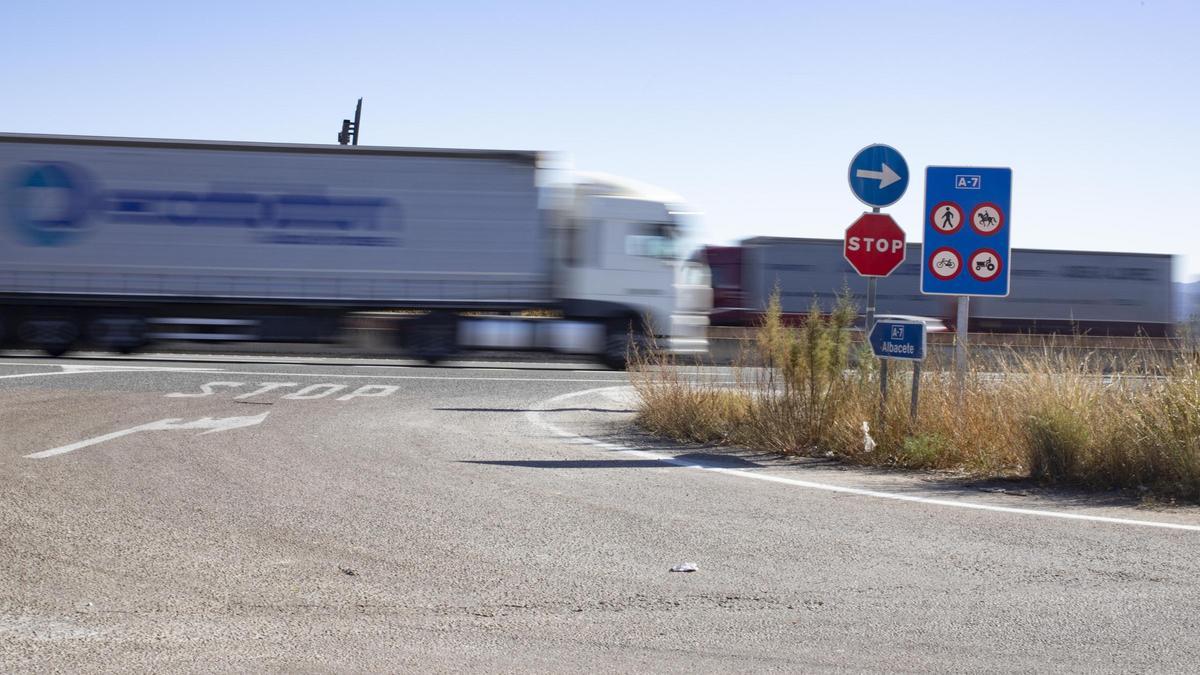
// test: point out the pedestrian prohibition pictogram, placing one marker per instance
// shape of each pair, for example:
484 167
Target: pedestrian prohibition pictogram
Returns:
947 217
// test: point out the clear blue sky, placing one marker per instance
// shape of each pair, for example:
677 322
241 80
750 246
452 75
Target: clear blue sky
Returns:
749 110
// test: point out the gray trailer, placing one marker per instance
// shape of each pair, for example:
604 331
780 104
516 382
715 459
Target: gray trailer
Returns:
1052 291
122 241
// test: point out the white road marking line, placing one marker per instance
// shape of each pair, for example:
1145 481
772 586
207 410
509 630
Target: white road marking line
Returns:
227 371
78 370
340 376
534 416
351 361
90 367
211 425
61 372
94 368
456 378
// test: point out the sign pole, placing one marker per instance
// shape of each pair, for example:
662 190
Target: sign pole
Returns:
883 364
960 344
916 388
883 378
871 281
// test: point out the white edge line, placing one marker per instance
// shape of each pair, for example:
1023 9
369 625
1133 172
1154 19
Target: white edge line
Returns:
534 417
339 376
332 376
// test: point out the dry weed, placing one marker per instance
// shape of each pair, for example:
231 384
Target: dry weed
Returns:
1058 412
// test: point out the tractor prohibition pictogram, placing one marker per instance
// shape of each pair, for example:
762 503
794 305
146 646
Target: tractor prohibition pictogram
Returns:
985 264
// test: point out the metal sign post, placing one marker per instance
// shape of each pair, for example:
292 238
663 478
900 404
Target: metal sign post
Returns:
960 344
872 282
916 388
883 378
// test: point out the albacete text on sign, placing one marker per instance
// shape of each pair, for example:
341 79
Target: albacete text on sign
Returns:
898 349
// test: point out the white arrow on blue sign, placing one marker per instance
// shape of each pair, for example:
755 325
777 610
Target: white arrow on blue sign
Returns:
878 175
898 340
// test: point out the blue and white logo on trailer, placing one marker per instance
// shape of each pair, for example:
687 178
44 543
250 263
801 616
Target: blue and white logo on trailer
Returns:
898 340
966 245
878 175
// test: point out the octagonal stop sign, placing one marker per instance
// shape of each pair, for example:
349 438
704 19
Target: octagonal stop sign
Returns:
874 245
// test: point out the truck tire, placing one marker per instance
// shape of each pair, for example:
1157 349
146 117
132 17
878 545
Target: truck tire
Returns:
121 334
621 340
53 335
433 338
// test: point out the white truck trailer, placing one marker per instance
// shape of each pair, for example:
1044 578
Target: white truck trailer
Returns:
119 242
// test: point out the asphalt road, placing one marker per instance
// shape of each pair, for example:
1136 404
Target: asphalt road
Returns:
250 512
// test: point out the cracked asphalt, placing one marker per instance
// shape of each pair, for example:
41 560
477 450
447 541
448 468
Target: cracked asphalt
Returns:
384 516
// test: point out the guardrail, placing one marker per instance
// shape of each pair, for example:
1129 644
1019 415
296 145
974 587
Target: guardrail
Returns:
728 345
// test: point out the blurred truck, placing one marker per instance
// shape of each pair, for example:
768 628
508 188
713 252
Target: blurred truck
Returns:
120 242
1051 291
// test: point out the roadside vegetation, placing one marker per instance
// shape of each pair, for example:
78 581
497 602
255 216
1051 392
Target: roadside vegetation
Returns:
1058 413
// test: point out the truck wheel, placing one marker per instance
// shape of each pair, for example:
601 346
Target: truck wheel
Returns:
620 343
122 334
53 336
433 338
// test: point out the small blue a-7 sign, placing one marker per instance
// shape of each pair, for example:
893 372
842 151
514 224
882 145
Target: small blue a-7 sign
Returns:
898 340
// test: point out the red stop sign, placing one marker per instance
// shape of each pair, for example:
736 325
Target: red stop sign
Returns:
874 245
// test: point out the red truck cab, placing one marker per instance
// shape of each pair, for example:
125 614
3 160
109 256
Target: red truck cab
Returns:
725 263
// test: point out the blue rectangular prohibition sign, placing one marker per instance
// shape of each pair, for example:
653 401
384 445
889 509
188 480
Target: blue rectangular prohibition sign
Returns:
898 340
965 250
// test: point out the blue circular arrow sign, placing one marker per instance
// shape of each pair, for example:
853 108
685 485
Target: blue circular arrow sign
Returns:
878 175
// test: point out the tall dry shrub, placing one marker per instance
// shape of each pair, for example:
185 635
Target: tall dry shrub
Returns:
796 395
684 402
1157 446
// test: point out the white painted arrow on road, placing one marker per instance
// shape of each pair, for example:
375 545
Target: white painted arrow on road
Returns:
885 177
209 424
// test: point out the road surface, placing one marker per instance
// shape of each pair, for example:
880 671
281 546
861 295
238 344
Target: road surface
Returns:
219 512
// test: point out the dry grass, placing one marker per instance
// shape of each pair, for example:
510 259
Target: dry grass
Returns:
1058 414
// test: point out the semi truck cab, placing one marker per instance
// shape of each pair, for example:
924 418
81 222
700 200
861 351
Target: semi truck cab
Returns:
623 262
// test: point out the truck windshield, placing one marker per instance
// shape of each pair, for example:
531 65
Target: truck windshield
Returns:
692 273
653 240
